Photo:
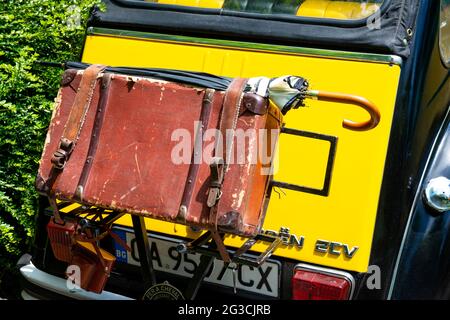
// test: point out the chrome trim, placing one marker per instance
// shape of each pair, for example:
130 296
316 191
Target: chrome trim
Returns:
437 194
330 272
58 285
418 197
302 51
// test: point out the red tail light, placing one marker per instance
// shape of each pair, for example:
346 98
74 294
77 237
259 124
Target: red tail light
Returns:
312 284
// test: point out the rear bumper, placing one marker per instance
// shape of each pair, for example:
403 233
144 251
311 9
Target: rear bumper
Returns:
39 285
124 284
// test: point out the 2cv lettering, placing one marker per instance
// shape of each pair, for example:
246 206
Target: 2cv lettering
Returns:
335 248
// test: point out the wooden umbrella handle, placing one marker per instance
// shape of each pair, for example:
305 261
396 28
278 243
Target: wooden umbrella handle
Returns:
367 105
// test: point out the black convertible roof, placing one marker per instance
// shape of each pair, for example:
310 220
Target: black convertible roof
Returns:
396 25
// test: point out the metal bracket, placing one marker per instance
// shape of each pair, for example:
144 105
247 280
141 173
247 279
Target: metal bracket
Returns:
145 257
238 257
206 262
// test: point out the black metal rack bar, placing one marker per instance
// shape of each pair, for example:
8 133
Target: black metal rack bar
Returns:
143 246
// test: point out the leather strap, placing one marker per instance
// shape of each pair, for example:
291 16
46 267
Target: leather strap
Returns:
228 121
230 114
205 118
77 115
224 147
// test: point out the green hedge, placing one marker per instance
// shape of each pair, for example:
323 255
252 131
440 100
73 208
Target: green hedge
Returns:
30 31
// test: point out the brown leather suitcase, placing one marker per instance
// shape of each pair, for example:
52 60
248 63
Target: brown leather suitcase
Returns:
111 144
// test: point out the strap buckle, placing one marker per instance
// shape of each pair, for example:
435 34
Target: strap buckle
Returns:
217 174
61 156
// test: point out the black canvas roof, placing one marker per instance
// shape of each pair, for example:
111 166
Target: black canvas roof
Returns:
396 21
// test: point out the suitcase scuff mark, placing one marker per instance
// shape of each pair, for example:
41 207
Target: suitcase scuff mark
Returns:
252 142
162 93
56 112
137 165
153 80
132 79
248 122
237 199
48 140
129 192
104 186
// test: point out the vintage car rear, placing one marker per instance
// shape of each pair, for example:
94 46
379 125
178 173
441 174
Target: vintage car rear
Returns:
340 198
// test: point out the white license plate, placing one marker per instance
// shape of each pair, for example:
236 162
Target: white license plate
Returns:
263 280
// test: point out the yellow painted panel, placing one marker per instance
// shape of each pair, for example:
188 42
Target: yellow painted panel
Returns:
213 4
348 214
296 153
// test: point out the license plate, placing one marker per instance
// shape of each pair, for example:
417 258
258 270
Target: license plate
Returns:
263 280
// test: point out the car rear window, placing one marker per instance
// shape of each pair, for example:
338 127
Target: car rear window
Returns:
325 9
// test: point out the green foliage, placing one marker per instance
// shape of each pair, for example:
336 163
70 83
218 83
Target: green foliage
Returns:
30 31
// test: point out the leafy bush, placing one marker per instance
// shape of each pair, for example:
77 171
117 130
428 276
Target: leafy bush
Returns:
31 31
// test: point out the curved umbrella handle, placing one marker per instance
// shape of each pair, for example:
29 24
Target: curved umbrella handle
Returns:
367 105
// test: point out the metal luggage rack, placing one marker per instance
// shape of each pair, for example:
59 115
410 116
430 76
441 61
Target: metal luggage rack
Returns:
238 256
101 220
